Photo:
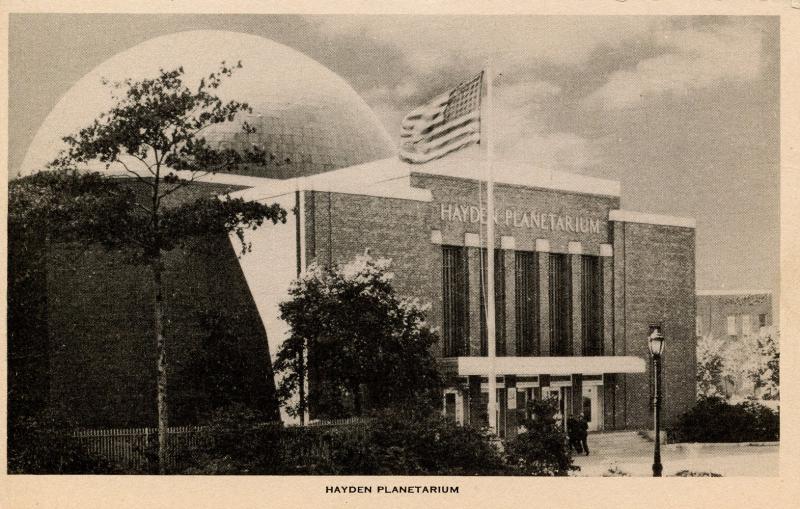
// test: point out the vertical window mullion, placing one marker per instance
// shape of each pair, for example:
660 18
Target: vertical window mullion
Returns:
566 305
519 303
482 299
527 303
500 302
464 299
447 301
534 292
454 295
552 306
560 304
592 306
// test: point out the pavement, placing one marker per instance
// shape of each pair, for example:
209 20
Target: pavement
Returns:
628 452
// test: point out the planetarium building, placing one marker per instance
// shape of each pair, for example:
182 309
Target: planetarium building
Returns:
577 281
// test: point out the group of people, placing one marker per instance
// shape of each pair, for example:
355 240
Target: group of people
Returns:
577 432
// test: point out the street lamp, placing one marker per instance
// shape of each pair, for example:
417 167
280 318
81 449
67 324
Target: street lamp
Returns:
656 343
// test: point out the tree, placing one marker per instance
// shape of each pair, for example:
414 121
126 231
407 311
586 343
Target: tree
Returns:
153 133
726 368
710 367
363 342
740 358
766 373
542 449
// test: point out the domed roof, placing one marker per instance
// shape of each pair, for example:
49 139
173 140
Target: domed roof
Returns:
307 116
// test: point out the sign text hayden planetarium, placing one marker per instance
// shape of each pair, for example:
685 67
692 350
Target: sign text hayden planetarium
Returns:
521 219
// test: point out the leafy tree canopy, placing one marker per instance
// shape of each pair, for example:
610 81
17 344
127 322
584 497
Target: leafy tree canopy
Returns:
68 205
372 343
154 134
725 364
158 122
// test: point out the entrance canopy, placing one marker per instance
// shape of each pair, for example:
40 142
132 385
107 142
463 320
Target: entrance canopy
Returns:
466 366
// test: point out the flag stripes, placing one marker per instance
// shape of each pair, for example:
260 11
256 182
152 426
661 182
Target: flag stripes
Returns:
446 123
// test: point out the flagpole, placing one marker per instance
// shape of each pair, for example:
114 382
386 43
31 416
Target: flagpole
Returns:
490 228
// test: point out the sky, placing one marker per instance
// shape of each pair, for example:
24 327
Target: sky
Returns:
683 111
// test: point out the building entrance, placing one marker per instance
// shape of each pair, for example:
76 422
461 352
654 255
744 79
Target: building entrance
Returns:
592 406
563 395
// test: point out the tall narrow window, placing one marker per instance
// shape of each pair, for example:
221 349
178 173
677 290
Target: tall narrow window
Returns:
592 305
747 326
499 303
455 298
731 325
526 272
560 304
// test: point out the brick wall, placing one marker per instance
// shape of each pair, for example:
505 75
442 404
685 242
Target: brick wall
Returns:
448 190
340 227
102 350
650 277
654 273
28 353
714 310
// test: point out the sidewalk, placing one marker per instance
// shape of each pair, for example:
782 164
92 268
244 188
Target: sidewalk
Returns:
628 452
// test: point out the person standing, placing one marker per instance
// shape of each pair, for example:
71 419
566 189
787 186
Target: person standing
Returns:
582 428
573 435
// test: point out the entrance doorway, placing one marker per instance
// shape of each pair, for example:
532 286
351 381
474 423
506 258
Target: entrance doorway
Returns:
563 395
592 406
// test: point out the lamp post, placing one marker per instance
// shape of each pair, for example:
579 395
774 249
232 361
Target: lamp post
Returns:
656 343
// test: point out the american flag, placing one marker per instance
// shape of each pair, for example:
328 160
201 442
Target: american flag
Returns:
445 124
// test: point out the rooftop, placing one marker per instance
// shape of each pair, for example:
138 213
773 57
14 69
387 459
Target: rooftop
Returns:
390 177
733 292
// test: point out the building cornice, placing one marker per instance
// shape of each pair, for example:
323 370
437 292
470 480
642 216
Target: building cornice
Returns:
630 216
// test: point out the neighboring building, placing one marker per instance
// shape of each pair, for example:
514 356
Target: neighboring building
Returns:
732 314
734 319
578 280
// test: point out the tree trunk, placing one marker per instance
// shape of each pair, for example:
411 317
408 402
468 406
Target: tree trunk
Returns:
301 373
161 364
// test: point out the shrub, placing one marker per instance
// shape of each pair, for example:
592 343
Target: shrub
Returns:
401 443
689 473
391 442
236 440
42 444
714 420
542 449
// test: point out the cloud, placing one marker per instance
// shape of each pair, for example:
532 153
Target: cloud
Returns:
428 40
558 150
695 59
526 93
522 132
553 69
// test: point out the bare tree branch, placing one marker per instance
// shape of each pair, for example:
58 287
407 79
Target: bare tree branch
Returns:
185 182
149 167
138 177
